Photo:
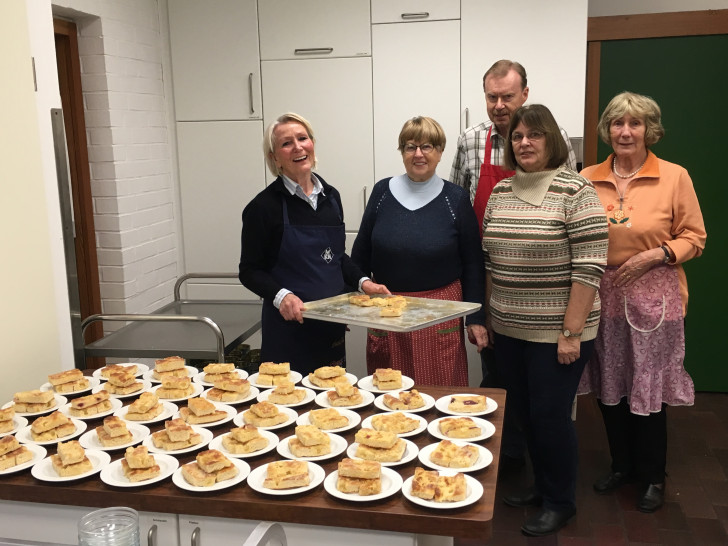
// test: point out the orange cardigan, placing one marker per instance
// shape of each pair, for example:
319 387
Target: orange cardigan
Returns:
659 207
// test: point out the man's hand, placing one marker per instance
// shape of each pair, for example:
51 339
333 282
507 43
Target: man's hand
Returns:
370 287
478 335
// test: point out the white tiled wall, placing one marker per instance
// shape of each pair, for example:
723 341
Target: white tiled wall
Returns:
123 79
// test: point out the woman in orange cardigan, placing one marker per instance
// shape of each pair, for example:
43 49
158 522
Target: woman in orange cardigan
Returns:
655 225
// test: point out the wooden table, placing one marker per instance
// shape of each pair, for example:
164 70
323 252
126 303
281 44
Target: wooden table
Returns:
315 507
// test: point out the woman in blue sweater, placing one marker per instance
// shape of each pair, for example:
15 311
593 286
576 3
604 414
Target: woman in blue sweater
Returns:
419 237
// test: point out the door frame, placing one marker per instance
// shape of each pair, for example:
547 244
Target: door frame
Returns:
630 27
69 81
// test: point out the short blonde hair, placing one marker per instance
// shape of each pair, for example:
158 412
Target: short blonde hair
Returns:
637 106
269 141
422 129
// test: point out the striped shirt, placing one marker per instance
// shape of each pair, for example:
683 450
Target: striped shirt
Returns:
470 155
541 232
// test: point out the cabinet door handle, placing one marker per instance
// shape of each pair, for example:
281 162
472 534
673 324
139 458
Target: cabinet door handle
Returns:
152 536
467 118
195 537
313 50
365 197
419 15
250 93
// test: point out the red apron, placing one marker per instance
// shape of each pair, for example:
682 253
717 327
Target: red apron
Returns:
490 175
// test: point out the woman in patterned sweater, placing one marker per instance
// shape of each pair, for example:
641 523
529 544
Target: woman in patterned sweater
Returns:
545 241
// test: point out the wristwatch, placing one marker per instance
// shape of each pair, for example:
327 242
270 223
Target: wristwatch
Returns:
569 333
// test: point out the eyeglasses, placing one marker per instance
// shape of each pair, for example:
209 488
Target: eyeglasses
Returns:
424 148
531 135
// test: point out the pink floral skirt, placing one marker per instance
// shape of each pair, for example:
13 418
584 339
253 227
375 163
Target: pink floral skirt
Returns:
431 356
640 345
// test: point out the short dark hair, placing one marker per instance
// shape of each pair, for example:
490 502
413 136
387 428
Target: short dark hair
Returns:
538 118
503 67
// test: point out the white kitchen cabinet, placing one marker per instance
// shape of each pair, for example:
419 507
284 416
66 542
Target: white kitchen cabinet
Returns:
215 62
335 95
547 38
216 531
405 11
313 28
416 71
221 168
58 524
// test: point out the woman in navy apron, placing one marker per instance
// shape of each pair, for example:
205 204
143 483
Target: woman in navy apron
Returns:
293 251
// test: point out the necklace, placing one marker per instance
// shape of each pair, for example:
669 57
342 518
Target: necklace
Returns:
630 175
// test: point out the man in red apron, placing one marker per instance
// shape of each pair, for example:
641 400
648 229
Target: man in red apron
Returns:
478 167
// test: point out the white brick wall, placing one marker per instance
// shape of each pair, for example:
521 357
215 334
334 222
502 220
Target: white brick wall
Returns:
121 49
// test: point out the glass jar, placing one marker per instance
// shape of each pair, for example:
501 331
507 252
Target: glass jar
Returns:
115 526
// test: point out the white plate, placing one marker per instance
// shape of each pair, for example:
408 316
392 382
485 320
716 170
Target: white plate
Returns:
216 443
196 391
239 420
295 378
310 395
429 402
38 453
169 410
199 378
115 405
25 436
248 397
367 423
486 427
367 384
409 454
256 478
243 470
141 369
323 401
485 457
18 423
90 440
60 400
229 410
44 469
113 474
206 437
353 417
92 382
474 489
149 375
306 382
338 446
442 403
146 385
391 483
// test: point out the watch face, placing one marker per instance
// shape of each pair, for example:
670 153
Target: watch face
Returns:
567 333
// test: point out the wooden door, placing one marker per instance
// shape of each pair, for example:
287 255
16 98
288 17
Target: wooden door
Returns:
679 60
69 80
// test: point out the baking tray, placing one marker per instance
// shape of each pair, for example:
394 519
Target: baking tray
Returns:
419 313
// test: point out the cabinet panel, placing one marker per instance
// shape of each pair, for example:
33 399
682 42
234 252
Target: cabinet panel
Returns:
416 71
215 64
335 95
404 11
313 28
221 169
554 59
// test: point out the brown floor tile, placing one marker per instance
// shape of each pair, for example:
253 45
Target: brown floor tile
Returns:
694 502
670 517
670 537
609 535
641 528
708 531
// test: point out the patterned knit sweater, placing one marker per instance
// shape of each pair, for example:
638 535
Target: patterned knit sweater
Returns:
541 232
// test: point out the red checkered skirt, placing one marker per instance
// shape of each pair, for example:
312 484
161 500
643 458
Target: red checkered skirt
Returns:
431 356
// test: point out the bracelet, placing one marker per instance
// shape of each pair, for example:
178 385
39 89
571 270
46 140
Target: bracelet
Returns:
668 257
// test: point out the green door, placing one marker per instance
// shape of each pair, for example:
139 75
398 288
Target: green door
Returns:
688 77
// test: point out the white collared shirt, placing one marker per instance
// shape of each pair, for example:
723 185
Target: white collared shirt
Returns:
297 190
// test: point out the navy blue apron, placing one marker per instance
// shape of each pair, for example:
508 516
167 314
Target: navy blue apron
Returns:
309 265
